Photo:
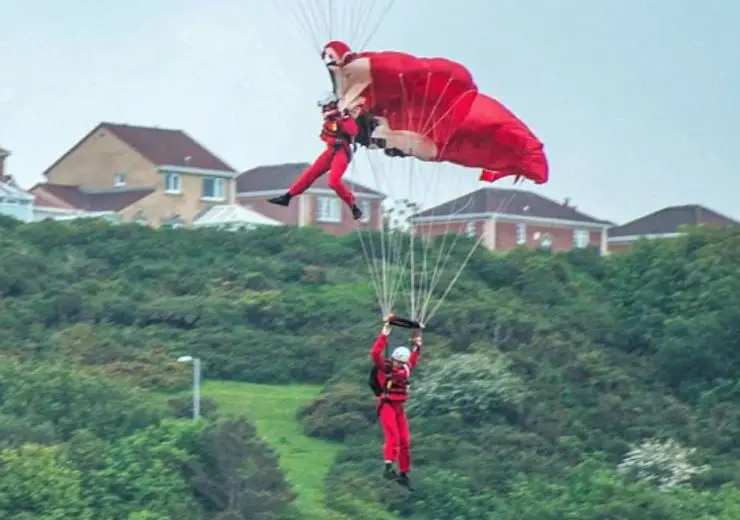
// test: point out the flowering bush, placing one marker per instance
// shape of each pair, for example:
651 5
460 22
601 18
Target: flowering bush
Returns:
663 463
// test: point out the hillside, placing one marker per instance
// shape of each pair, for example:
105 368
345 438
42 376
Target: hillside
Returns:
539 375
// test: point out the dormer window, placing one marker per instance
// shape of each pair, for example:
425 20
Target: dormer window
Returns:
119 180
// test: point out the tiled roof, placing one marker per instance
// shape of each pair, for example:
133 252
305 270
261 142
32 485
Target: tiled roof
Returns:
510 203
88 200
279 177
668 220
160 146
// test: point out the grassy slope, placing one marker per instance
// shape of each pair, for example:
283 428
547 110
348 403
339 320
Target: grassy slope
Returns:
305 460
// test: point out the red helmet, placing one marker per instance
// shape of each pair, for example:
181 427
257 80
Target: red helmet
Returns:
336 53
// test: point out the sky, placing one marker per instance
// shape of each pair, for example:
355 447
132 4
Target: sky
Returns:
636 101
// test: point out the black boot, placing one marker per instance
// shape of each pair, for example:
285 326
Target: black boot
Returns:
405 481
394 152
377 141
389 473
282 200
356 212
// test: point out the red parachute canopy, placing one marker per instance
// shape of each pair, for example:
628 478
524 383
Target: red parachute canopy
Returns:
493 138
433 111
426 96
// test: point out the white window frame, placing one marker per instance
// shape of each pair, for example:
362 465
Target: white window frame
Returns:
470 229
328 210
367 208
172 183
521 233
219 188
581 238
119 180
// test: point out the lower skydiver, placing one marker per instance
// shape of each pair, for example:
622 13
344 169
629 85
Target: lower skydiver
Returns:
390 381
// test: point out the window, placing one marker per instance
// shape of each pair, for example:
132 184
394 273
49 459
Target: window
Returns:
470 229
119 180
213 188
172 183
580 238
328 209
521 233
366 208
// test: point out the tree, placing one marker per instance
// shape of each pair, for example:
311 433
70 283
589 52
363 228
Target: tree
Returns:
37 482
236 474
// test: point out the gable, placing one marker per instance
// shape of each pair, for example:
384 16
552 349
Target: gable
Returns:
95 160
153 146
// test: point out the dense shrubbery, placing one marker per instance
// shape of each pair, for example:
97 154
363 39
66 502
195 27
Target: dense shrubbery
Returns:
551 385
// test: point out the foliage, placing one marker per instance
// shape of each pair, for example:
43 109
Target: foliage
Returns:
472 385
540 378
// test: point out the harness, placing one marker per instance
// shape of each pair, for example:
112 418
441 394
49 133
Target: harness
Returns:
330 129
391 386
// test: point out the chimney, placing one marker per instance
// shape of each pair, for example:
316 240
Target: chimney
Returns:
3 156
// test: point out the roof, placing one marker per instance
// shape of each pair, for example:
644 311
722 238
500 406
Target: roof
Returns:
279 177
226 214
161 146
91 200
668 220
514 203
8 190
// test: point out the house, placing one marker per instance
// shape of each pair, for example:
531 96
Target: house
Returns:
148 175
504 219
665 223
318 206
14 201
233 217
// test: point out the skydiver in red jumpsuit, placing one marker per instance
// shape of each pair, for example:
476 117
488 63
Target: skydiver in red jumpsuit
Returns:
393 377
338 132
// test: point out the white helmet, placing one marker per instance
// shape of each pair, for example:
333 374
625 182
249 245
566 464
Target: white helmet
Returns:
401 354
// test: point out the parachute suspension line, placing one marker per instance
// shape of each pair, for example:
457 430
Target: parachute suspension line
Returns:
354 21
372 269
503 206
363 42
427 283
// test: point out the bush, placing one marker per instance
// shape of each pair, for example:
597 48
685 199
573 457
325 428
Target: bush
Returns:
476 386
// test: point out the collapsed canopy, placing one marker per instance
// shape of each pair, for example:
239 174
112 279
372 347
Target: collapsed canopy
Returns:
430 108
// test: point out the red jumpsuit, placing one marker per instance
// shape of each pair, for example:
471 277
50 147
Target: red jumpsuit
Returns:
391 405
337 133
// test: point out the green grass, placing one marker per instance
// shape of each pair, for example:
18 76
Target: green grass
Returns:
304 460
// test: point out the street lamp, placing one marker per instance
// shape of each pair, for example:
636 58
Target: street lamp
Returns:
196 382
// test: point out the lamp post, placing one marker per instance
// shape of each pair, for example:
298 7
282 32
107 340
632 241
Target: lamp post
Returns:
196 382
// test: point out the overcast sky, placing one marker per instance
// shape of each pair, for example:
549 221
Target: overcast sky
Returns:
637 101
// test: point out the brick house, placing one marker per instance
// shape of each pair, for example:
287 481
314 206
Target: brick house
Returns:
318 206
504 219
153 176
665 223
